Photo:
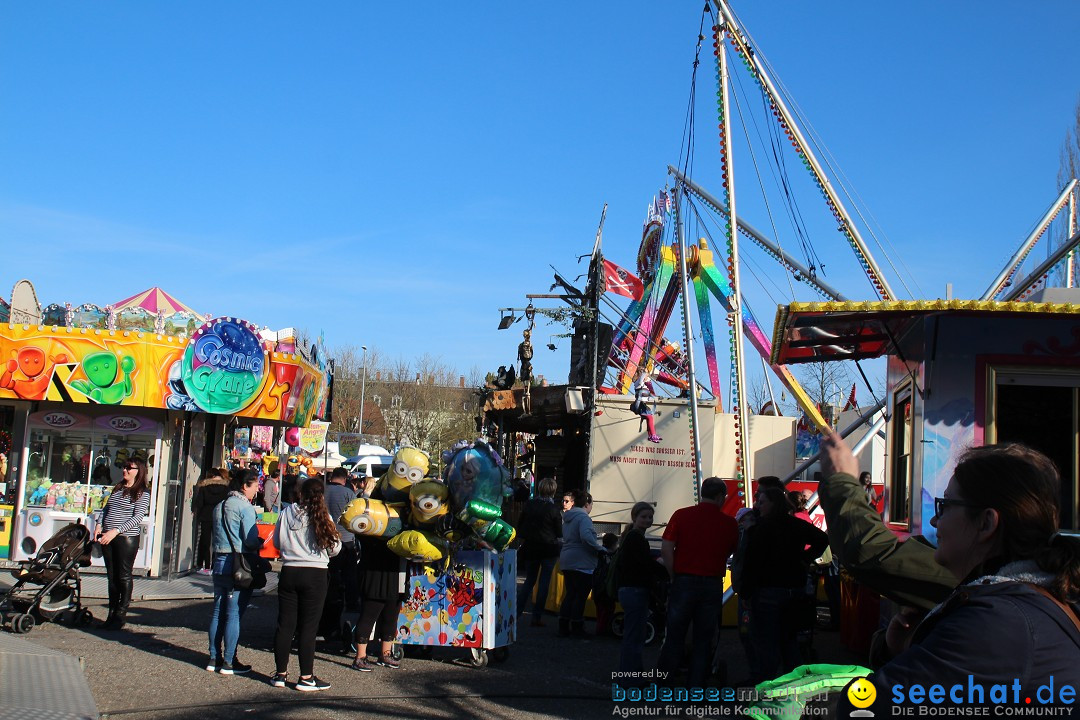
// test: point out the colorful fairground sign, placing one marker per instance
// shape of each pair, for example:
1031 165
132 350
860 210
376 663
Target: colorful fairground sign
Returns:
225 367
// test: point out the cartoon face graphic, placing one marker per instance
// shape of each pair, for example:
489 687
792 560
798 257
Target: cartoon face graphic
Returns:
100 368
31 361
862 693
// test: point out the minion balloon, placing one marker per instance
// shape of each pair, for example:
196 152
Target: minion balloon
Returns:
373 518
409 467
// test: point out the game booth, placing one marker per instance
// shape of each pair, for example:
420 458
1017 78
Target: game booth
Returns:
78 402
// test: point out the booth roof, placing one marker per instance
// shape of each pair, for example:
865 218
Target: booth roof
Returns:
154 300
819 331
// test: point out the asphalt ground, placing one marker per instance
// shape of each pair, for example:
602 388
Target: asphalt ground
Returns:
155 669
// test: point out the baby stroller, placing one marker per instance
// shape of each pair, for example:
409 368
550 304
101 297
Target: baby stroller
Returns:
48 587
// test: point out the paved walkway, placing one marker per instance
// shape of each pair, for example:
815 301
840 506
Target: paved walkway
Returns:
37 683
189 587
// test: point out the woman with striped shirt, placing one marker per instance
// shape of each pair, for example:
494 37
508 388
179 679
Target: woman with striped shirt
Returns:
119 533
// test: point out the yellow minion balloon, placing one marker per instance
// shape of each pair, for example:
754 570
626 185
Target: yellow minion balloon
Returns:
429 500
409 467
371 517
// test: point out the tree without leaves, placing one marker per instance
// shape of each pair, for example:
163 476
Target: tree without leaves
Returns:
423 402
825 383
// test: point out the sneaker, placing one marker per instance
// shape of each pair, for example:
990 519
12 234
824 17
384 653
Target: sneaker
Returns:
279 679
213 665
234 668
205 571
388 661
362 665
311 684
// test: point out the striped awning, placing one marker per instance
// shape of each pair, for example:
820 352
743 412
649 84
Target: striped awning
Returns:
152 301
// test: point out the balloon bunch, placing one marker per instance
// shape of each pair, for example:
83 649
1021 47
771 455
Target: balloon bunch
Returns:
420 517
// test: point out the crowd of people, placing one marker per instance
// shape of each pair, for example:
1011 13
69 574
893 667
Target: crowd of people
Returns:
326 571
1000 562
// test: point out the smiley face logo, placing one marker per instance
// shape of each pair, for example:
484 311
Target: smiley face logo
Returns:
862 693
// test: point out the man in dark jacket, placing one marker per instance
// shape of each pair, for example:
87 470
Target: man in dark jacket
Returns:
343 593
540 530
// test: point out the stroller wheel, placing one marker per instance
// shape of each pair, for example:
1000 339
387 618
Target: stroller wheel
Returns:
22 623
86 617
650 632
617 624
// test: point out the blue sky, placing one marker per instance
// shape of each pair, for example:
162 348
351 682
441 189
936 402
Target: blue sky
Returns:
393 173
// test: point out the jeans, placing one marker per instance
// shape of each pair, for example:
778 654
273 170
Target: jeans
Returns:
578 584
301 593
696 600
229 607
773 630
635 604
119 556
536 568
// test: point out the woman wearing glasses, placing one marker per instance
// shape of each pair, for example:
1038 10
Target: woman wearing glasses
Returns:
119 533
1012 620
234 530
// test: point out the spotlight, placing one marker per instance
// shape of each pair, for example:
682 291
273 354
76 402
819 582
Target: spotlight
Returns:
551 346
506 320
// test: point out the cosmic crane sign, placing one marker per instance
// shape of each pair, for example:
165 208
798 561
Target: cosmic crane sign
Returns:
224 365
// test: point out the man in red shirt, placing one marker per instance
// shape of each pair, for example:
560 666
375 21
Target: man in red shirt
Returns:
697 544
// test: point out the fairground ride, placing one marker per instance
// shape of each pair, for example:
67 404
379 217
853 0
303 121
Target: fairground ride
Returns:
672 270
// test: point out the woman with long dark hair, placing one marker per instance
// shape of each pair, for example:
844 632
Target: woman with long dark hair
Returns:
234 530
307 538
119 533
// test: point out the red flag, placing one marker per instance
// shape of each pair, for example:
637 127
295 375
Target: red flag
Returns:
621 281
850 404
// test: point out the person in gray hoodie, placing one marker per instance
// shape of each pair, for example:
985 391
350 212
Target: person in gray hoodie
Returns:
577 561
307 538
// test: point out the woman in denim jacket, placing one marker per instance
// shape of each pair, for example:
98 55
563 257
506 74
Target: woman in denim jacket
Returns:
234 530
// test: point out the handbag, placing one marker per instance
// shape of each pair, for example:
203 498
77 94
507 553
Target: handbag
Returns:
248 570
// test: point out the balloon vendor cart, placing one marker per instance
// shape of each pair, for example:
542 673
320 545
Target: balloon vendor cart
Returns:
471 604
